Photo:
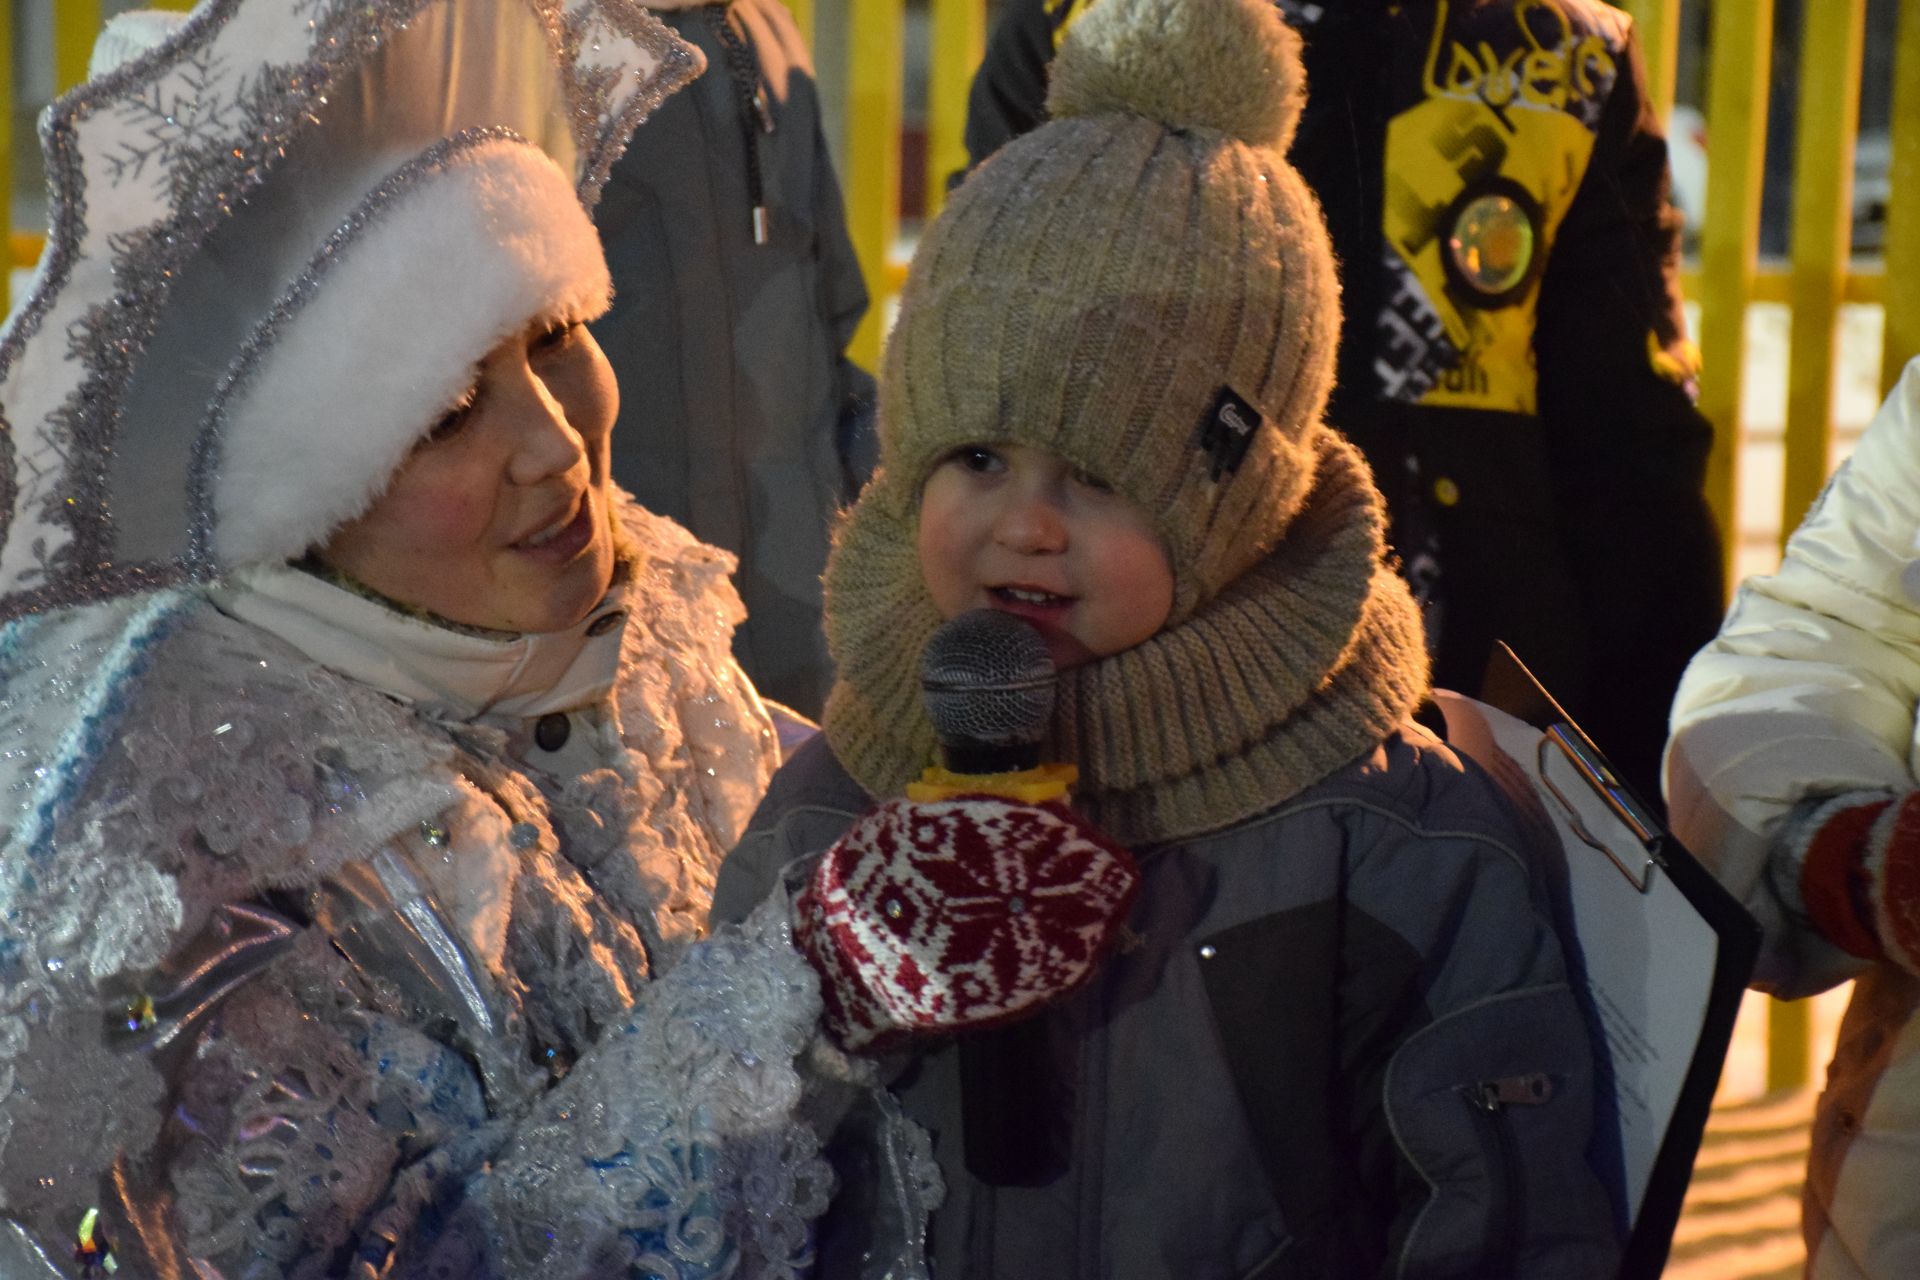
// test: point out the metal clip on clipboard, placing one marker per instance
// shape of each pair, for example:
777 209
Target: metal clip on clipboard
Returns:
1637 865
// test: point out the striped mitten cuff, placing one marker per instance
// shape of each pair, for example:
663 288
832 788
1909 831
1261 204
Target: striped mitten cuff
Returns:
1860 874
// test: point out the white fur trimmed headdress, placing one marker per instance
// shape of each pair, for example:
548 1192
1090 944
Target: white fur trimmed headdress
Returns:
282 238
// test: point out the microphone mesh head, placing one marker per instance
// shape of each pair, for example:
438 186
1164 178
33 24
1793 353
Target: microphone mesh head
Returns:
987 678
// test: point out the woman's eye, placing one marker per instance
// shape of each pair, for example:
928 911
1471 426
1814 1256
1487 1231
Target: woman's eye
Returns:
554 338
454 419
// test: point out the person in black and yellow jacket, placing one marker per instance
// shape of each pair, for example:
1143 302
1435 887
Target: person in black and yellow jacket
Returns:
1513 360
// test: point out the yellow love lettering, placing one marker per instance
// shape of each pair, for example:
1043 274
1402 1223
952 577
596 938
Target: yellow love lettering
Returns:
1543 79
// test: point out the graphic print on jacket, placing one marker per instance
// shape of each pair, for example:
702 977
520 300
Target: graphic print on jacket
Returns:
1482 164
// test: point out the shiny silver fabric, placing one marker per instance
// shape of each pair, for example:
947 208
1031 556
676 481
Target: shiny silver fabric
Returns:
258 1010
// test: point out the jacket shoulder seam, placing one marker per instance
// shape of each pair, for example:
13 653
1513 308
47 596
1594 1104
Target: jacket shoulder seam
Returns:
799 810
1399 819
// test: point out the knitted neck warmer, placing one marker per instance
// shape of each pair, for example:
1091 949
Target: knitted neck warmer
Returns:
1300 666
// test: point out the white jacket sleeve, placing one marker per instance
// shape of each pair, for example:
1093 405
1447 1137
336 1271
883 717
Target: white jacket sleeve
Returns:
1809 690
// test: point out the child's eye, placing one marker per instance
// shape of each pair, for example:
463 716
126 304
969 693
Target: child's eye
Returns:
977 458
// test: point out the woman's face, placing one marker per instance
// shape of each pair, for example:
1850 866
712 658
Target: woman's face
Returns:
500 516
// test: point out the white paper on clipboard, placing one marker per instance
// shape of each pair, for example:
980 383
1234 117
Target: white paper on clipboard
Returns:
1650 956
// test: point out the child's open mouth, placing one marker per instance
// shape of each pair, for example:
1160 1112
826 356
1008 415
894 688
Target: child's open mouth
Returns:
1029 595
1030 602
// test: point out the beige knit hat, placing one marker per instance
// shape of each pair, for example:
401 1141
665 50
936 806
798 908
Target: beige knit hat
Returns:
1143 286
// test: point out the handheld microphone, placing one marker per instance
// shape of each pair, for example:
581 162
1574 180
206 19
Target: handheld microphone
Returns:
974 902
988 683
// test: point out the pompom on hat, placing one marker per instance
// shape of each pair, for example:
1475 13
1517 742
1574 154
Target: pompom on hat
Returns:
1144 287
284 232
1188 66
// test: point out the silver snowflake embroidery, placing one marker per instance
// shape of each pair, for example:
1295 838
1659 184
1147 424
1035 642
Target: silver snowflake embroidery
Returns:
180 115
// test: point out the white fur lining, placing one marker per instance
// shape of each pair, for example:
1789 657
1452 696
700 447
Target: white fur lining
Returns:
469 254
128 35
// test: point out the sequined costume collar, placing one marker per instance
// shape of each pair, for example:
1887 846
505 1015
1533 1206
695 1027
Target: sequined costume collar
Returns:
446 673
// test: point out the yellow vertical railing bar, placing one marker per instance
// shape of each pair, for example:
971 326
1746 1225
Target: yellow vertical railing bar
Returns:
802 11
1789 1044
1902 341
876 44
1730 237
1658 22
958 41
7 91
1827 121
75 24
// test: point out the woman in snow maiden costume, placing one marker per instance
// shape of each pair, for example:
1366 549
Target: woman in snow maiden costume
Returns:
366 755
1336 1037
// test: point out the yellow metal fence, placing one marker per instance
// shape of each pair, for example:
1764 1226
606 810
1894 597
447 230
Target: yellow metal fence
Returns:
1818 277
1815 282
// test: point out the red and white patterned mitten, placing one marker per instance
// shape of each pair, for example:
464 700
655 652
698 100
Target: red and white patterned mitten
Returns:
955 914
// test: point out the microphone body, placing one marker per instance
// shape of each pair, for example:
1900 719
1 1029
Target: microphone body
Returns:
974 903
988 681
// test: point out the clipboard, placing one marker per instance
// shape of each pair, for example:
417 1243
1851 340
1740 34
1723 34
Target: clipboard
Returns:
1660 952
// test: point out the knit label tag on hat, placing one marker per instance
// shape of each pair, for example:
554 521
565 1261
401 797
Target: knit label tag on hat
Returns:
1227 431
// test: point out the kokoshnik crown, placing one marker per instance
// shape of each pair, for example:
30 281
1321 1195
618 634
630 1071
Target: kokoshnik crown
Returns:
256 293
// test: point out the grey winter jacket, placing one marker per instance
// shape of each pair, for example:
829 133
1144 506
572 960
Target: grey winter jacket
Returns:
739 416
1338 1040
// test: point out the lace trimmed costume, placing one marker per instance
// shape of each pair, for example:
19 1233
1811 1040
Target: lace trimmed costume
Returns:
305 973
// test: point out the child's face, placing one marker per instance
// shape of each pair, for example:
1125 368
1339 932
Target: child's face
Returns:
1015 528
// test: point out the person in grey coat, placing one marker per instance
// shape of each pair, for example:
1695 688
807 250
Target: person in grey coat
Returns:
1329 1030
735 295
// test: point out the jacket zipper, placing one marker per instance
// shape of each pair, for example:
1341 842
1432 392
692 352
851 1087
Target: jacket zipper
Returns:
1090 1114
1488 1101
756 116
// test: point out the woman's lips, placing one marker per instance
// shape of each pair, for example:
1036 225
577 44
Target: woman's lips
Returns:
569 542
